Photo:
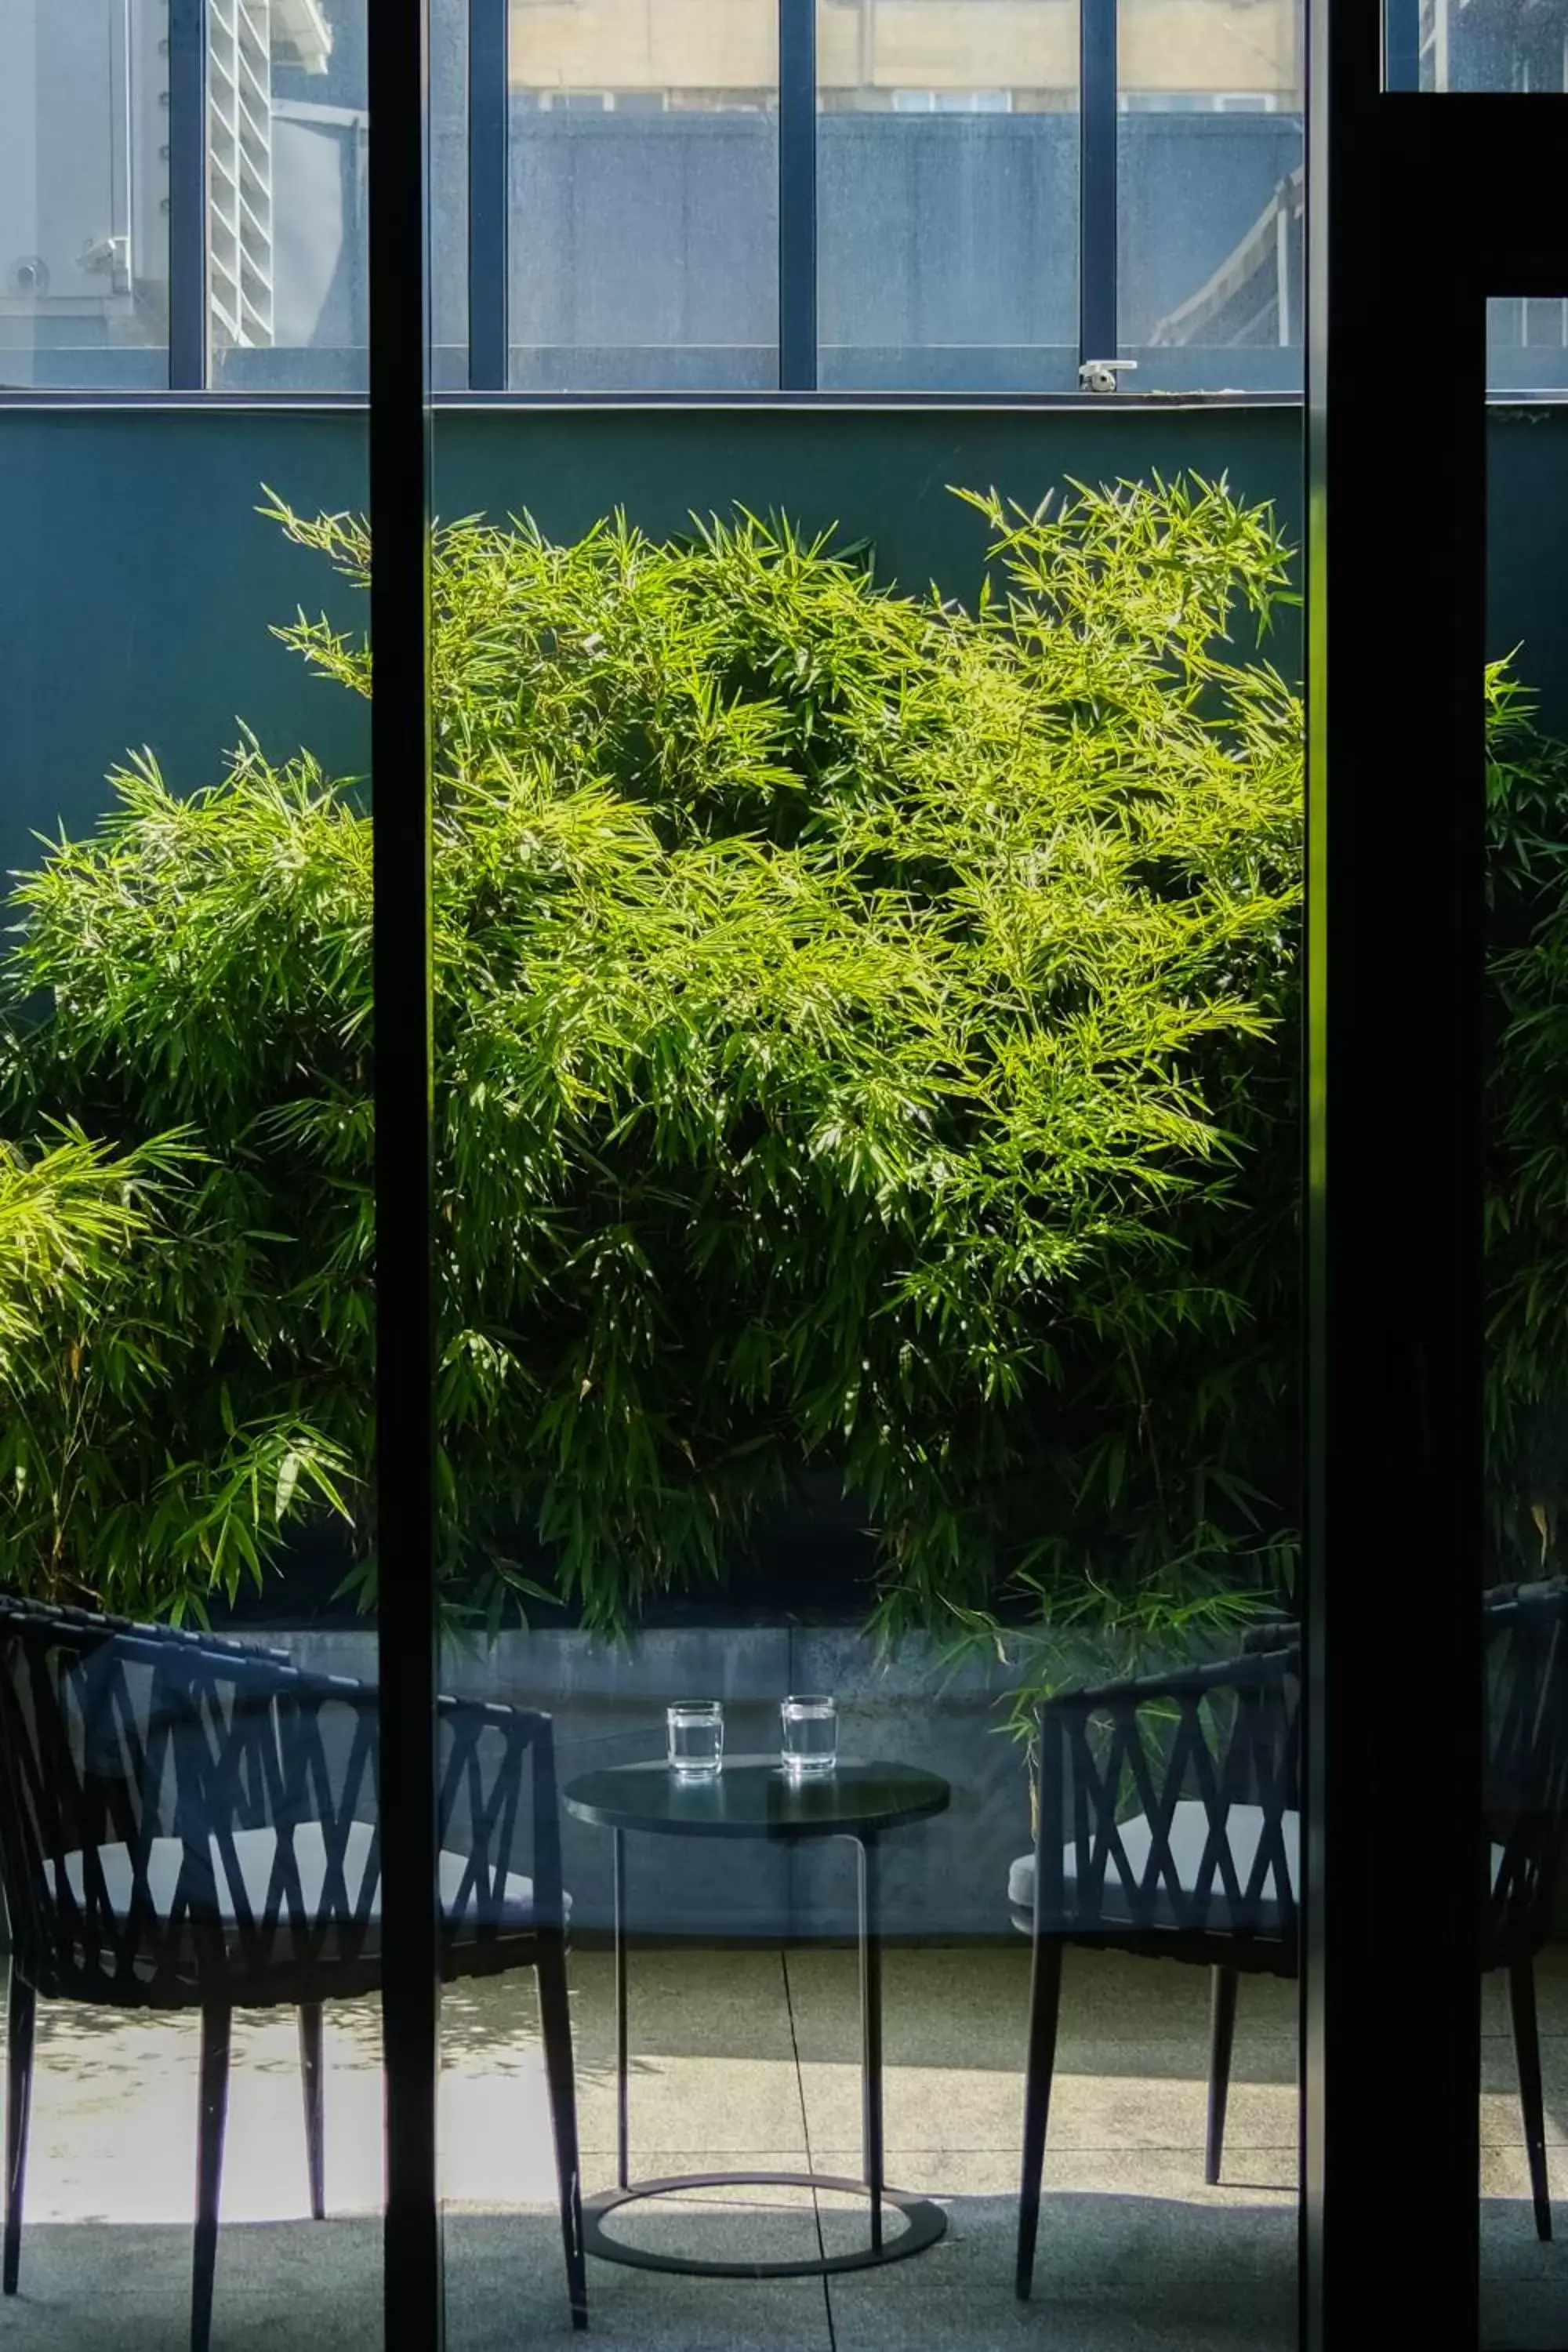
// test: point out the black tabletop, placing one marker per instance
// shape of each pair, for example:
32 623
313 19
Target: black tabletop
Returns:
753 1797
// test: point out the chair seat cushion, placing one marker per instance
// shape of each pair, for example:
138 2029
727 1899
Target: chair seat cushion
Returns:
263 1891
1188 1842
1189 1837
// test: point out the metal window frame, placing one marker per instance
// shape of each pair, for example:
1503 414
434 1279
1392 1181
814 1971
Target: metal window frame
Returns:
1419 211
400 505
797 195
1098 226
189 345
489 195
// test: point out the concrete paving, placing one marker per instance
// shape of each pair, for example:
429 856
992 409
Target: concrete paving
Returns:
742 2059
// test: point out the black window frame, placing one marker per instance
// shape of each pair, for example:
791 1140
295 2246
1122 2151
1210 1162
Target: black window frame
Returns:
1421 209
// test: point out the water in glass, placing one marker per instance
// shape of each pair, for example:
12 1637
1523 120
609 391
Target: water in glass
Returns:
696 1728
810 1735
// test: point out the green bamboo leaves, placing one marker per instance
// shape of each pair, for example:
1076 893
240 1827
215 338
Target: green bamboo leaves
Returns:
860 1022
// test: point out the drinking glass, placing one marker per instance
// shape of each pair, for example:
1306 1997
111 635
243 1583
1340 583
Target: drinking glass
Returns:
810 1735
696 1728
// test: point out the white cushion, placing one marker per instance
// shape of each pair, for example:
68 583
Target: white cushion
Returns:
1188 1842
256 1853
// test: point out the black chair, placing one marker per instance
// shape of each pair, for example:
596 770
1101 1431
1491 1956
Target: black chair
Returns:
1168 1824
190 1823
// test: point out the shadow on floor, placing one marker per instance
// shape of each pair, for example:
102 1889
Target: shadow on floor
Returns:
1116 2273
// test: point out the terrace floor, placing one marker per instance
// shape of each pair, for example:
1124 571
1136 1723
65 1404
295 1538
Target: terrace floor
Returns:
742 2059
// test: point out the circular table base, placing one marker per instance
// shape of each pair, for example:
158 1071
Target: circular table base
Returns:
924 2224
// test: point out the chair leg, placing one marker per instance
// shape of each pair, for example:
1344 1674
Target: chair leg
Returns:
18 2109
555 2021
1224 1983
310 2081
1045 2003
1527 2057
212 2115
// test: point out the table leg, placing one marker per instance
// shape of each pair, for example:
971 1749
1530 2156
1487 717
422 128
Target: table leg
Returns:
871 2031
622 2133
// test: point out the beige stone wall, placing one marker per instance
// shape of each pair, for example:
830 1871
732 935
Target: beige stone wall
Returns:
1027 47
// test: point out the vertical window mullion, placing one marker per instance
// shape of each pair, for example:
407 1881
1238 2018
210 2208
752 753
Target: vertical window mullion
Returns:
1099 322
797 195
187 140
1402 40
400 505
489 195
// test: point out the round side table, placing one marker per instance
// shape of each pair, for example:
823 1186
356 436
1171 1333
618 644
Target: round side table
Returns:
754 1798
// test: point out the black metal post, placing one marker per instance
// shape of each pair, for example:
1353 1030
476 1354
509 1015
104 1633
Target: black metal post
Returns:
21 2018
1420 207
797 195
400 461
1098 256
871 2029
490 110
623 2119
187 143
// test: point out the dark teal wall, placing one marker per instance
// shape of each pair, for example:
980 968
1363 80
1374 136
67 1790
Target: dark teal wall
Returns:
139 584
136 596
882 475
1527 584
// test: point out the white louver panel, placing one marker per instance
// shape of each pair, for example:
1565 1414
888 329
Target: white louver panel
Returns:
301 35
239 171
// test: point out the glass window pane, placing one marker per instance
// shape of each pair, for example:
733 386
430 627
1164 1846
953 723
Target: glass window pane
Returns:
288 139
789 1298
947 192
1211 195
1527 346
84 182
643 177
186 1384
1457 45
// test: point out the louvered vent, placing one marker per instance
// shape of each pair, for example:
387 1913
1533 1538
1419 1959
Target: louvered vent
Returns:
244 37
239 171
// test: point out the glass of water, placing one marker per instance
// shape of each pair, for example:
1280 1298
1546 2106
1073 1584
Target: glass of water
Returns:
696 1730
810 1735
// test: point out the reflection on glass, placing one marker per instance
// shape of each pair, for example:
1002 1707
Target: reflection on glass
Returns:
1211 195
947 192
84 182
643 176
